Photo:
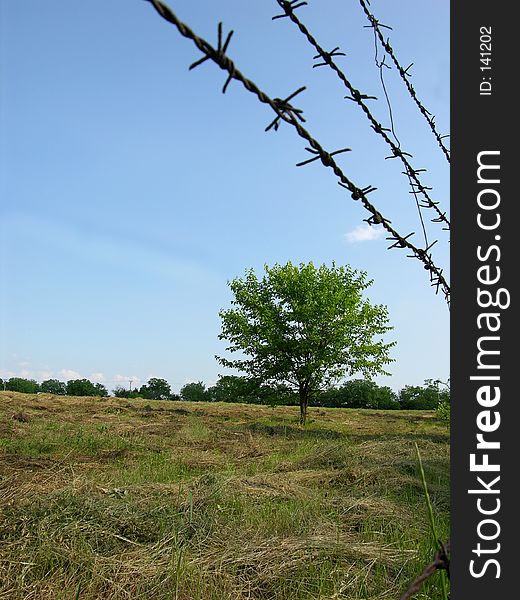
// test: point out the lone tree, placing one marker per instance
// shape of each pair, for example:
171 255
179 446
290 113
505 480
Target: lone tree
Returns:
304 327
156 389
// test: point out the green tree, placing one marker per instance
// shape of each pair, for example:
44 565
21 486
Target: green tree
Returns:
53 386
232 388
360 393
385 399
122 392
156 389
417 397
194 392
84 387
304 327
101 390
20 384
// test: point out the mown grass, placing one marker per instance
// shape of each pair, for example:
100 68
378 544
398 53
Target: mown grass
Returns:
115 499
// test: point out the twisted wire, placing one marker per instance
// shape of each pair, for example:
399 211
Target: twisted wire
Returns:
359 98
289 114
380 65
440 561
405 77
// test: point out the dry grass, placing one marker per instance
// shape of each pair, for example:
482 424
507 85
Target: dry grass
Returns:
126 499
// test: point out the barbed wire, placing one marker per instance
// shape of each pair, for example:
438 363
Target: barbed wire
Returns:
286 112
359 98
380 65
441 561
405 76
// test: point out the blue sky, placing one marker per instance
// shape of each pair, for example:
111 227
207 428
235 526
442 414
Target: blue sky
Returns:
132 190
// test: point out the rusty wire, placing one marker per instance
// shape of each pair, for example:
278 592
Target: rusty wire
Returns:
441 561
405 76
288 113
359 98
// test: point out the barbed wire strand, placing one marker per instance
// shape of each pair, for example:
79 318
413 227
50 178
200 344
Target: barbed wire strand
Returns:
358 98
289 114
380 65
441 561
405 76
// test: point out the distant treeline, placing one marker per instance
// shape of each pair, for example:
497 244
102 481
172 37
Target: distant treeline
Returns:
357 393
74 387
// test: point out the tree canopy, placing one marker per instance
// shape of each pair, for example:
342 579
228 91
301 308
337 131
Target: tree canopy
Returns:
53 386
84 387
427 397
194 392
360 393
156 389
20 384
305 327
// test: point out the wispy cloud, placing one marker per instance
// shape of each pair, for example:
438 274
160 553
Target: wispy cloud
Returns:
68 374
364 233
98 377
4 374
43 375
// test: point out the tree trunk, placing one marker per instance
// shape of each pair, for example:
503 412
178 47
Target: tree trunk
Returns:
304 400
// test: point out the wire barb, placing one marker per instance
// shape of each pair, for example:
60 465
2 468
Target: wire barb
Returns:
327 56
221 51
287 109
288 8
318 156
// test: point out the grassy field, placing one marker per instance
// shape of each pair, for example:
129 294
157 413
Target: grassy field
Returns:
116 499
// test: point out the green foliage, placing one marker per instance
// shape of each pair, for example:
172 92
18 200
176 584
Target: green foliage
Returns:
84 387
427 397
53 386
156 389
195 392
19 384
101 390
416 397
121 392
232 388
359 393
443 411
304 327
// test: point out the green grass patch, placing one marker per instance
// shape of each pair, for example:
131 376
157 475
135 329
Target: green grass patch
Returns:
172 500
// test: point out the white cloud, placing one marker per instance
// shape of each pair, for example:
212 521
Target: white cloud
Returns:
8 374
26 374
69 374
97 377
43 375
364 233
